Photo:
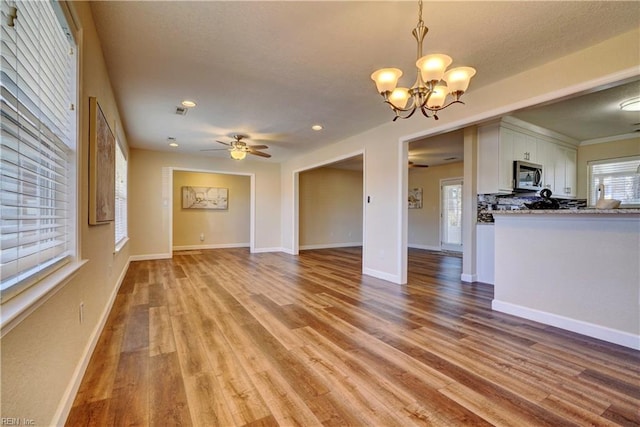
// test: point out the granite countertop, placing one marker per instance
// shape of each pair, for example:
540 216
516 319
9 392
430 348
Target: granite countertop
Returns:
567 211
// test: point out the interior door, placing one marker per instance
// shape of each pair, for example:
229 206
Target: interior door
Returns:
451 215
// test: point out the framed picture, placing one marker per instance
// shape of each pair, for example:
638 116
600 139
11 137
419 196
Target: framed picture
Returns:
102 167
205 198
415 198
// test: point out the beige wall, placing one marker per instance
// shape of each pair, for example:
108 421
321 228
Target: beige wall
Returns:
424 224
151 194
41 356
384 147
330 208
607 150
221 228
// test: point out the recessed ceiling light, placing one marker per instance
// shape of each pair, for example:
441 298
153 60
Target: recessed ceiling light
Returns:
172 142
316 127
188 104
632 104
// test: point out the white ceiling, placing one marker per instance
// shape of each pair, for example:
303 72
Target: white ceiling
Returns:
271 69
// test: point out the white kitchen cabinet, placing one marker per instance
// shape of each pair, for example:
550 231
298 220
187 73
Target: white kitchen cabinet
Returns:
546 157
565 171
558 168
502 143
525 147
495 159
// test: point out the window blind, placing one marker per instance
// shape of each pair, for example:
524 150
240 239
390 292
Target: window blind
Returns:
121 196
620 177
36 127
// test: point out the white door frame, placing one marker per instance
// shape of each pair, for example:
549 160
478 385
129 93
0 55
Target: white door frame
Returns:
296 197
168 189
443 182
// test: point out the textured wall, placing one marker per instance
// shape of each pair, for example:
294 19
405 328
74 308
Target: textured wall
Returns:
330 207
219 227
424 224
42 356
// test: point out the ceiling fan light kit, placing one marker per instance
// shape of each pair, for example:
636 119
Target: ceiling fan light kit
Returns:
237 154
632 104
427 94
238 149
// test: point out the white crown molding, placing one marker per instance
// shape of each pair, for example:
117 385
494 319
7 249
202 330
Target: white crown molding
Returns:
539 130
610 139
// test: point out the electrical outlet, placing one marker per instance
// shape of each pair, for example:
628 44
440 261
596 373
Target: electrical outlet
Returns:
81 313
202 237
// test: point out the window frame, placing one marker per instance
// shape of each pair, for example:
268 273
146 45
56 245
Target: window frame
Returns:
121 211
592 196
15 306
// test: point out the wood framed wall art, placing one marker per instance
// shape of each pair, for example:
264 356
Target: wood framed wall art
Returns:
415 198
102 167
205 198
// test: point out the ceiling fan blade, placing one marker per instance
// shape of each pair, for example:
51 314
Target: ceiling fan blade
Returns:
215 149
414 165
259 147
259 153
224 143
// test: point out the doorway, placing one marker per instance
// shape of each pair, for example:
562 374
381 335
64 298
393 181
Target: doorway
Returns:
451 214
205 228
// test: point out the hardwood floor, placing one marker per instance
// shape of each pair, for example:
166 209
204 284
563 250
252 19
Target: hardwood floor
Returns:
228 338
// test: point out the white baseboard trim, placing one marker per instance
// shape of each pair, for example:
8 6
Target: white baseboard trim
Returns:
425 247
61 414
218 246
263 250
394 278
330 245
149 257
288 251
469 278
603 333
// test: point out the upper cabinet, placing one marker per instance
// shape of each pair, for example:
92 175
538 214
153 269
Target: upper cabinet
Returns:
502 143
565 172
495 159
525 147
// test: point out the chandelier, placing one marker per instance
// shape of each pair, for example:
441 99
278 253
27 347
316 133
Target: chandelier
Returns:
428 94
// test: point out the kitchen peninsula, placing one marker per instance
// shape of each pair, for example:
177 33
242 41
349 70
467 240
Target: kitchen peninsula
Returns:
578 270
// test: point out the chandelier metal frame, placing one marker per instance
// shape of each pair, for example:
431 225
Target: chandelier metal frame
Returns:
426 95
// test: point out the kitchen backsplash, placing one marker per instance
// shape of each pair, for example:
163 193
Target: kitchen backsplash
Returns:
487 203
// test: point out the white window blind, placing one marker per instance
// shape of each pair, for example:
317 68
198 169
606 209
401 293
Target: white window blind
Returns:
620 177
37 125
121 197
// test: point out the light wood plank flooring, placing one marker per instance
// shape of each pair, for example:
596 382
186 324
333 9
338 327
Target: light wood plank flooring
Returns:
228 338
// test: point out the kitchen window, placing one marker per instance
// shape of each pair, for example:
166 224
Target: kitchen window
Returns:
620 177
37 151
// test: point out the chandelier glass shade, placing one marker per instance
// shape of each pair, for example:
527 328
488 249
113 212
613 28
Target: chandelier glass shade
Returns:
435 87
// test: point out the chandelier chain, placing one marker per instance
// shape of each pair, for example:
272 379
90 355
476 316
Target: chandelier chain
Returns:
420 21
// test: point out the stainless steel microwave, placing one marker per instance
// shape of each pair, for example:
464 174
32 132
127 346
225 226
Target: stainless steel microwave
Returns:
527 176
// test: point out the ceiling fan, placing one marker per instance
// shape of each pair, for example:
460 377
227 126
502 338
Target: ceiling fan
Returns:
239 149
414 165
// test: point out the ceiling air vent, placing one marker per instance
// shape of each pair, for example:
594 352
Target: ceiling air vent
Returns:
181 111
